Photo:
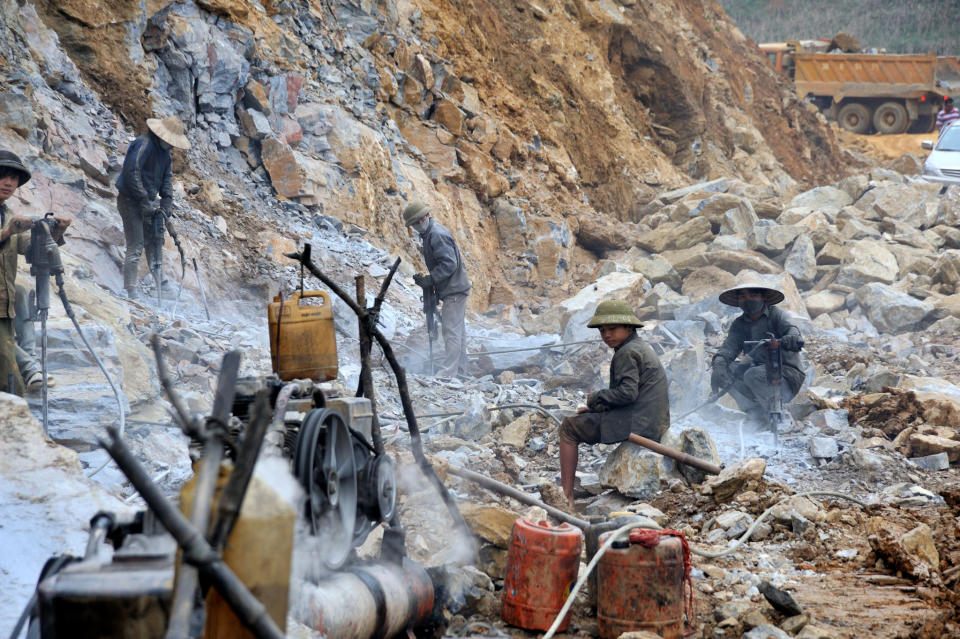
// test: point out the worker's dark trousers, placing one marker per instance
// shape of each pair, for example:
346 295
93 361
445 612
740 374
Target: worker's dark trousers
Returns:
135 228
754 394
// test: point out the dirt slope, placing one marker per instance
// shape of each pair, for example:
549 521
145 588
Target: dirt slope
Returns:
570 110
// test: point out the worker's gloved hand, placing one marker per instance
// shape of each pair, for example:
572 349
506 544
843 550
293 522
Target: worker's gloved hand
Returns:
791 342
423 281
720 377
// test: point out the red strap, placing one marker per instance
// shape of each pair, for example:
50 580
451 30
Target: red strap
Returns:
648 538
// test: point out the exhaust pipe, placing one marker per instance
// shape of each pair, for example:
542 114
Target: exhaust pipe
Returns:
379 599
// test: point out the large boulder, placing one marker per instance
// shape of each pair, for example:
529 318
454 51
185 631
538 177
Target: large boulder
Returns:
822 197
657 268
511 224
633 470
706 281
866 261
666 237
739 220
824 302
801 261
890 310
732 479
599 236
732 261
715 207
773 239
624 286
894 200
665 300
292 174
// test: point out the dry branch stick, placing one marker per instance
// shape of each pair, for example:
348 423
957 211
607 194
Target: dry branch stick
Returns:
415 442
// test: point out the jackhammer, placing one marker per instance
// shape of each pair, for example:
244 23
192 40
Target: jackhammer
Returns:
773 364
774 369
44 259
736 370
156 229
429 309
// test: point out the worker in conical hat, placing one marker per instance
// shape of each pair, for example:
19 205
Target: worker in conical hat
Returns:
636 400
748 379
147 174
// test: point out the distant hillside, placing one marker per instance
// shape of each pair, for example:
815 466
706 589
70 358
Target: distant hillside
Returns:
899 26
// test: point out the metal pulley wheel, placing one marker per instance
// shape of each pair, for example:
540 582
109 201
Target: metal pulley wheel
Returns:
384 477
325 465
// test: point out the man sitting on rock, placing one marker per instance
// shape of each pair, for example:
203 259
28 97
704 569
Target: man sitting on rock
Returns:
635 402
746 380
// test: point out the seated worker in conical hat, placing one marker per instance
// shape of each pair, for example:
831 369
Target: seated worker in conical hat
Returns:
635 402
747 380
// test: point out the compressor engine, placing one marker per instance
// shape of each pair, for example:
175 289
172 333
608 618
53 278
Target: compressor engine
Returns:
349 488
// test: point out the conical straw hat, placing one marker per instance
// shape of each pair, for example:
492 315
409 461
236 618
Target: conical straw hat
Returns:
170 130
751 281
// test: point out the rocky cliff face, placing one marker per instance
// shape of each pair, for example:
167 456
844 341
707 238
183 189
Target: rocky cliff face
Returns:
521 123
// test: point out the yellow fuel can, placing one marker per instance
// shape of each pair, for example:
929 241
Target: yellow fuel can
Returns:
302 339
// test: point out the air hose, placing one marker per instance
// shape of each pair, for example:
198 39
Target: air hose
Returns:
116 393
703 553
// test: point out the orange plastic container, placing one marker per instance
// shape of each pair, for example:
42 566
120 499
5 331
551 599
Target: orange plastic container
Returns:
542 565
641 588
302 340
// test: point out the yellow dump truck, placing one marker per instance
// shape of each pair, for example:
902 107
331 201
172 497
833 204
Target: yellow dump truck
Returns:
888 93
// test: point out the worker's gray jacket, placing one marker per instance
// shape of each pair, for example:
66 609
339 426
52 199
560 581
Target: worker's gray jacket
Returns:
147 172
636 401
772 320
442 256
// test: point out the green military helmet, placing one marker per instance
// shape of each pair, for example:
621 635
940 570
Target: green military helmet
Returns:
414 212
9 160
612 312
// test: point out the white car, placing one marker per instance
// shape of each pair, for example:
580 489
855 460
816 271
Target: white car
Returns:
943 163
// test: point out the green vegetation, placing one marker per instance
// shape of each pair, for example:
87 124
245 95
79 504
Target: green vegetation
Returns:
899 26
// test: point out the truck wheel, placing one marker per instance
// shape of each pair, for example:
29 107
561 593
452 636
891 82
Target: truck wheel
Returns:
890 117
854 117
923 124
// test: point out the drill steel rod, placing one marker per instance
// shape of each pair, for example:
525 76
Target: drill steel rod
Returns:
545 347
187 579
43 370
196 550
416 444
203 296
680 456
517 494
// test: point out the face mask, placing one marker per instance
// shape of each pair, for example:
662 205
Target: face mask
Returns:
420 226
752 307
